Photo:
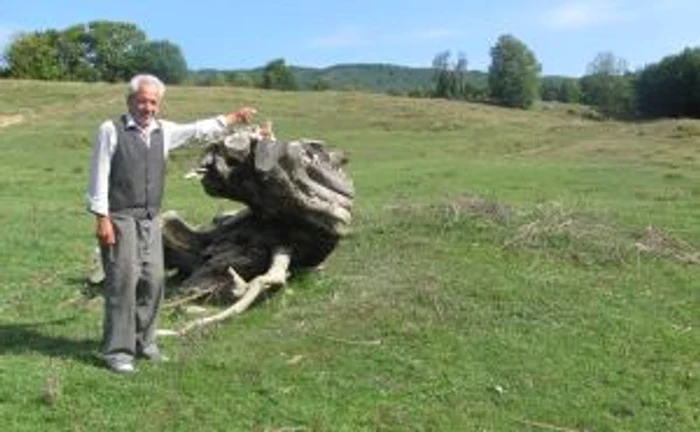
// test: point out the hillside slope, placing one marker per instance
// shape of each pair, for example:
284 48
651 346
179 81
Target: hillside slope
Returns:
508 270
372 77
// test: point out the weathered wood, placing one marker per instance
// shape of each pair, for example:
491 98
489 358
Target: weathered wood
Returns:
299 205
276 275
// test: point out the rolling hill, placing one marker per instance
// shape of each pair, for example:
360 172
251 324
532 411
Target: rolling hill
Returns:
508 270
371 77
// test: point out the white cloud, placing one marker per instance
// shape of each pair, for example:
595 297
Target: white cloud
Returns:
582 14
578 14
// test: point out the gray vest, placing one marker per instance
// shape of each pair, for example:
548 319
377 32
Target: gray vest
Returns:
137 173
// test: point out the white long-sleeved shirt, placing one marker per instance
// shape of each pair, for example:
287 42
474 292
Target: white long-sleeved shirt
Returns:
174 135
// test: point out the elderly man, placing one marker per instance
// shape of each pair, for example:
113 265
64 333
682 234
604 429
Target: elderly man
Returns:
127 176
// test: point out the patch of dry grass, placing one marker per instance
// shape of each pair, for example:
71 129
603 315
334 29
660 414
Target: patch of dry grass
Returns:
551 228
657 242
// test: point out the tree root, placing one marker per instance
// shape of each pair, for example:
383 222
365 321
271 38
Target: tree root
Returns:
248 292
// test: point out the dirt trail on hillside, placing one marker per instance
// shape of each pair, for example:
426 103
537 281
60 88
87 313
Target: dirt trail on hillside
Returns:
7 120
11 119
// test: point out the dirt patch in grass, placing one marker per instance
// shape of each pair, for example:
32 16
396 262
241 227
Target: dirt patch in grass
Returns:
10 119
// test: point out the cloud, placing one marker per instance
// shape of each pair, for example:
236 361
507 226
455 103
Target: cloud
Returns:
579 14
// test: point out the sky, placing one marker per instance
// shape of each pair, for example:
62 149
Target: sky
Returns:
228 34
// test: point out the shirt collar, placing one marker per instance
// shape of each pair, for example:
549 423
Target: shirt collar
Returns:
131 123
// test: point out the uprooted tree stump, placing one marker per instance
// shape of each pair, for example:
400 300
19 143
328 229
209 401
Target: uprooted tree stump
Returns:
299 205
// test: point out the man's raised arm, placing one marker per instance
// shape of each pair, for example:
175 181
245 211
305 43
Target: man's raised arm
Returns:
181 133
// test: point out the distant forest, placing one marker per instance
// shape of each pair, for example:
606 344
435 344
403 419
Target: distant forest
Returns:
380 78
114 51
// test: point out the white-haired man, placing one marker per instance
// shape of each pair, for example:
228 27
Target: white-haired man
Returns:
126 183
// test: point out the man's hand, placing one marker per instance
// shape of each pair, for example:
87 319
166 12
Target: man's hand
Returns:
242 116
105 231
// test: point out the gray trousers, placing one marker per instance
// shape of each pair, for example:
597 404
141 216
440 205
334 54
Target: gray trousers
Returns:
134 285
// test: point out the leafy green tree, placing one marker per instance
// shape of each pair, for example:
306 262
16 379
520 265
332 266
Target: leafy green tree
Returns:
34 56
549 89
276 75
671 87
514 73
561 89
451 80
161 58
570 91
443 76
609 86
73 55
110 47
99 50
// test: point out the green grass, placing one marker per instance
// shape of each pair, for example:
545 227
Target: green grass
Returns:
492 282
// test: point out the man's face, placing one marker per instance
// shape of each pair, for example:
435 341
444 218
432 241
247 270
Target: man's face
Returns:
144 104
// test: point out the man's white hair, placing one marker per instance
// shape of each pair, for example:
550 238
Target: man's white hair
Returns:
140 80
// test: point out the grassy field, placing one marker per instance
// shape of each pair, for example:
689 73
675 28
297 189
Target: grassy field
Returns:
508 271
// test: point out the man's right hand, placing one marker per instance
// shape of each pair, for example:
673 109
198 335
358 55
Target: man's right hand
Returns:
241 116
105 231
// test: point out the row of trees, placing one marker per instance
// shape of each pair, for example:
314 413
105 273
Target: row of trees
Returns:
114 51
452 79
561 89
669 88
96 51
274 75
513 77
